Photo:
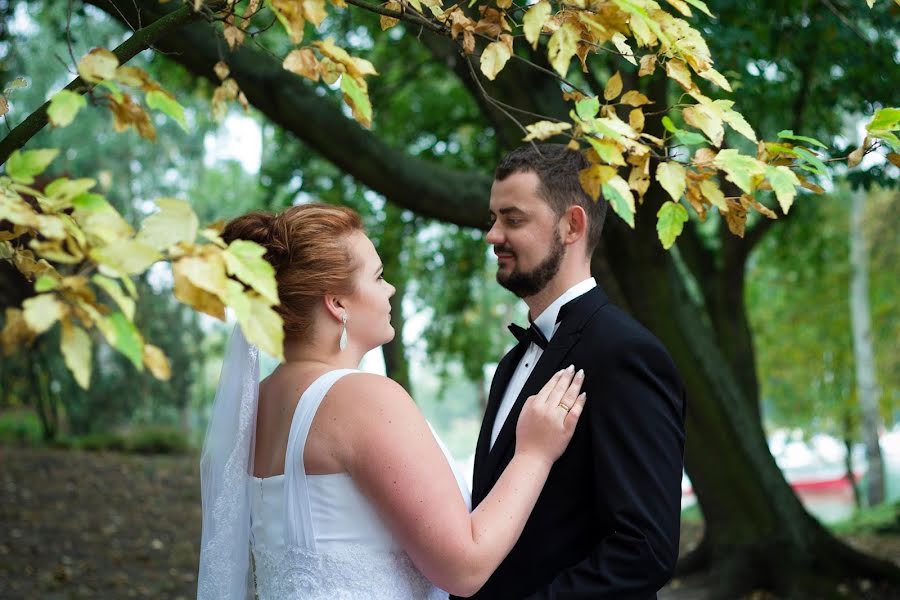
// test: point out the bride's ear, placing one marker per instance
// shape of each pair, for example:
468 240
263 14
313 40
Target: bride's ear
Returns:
334 306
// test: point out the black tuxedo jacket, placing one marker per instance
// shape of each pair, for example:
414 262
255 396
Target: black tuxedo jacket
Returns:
606 524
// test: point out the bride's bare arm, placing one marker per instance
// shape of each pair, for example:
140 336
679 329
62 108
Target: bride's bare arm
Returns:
389 450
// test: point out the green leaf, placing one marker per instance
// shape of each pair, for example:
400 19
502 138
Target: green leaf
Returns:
885 119
111 287
23 166
620 198
669 125
244 259
358 100
64 105
128 340
689 138
701 5
168 105
789 135
670 222
61 191
45 283
587 108
740 169
816 165
608 151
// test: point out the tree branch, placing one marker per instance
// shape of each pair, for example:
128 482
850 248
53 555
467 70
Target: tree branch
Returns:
140 41
290 102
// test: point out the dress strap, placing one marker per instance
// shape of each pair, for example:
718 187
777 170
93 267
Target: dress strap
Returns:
299 529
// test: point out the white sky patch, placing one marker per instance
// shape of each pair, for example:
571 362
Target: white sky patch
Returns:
238 138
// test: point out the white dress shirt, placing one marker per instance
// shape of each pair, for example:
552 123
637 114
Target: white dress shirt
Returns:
546 322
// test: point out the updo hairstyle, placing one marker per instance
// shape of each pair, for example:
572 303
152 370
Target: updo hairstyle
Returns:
307 246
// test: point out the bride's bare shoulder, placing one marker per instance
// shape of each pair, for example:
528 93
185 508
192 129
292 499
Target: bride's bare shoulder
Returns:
369 389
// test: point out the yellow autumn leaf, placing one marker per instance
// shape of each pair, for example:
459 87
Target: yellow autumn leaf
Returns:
534 20
97 65
673 178
621 44
75 345
314 11
42 311
648 65
613 87
545 129
635 98
736 218
679 72
175 222
387 22
494 58
706 119
290 14
155 360
191 295
205 272
244 260
99 220
784 182
711 191
636 119
717 78
222 70
562 47
16 331
125 257
261 325
593 177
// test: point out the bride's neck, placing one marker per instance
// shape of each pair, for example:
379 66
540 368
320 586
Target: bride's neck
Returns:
315 351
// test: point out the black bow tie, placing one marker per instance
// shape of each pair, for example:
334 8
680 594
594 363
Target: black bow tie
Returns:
531 335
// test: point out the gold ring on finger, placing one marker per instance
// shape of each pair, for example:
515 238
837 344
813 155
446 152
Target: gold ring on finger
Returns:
564 407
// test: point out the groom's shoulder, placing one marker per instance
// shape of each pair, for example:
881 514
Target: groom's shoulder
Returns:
614 328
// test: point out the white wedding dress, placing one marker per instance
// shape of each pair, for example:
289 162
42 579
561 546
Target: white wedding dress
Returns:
316 537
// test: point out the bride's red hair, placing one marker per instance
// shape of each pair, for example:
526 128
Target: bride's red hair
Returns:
307 245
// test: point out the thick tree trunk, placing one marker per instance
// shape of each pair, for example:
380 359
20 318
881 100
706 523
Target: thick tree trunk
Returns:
396 364
863 351
757 532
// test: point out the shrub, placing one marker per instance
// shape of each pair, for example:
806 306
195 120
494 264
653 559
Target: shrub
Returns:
102 441
20 428
159 440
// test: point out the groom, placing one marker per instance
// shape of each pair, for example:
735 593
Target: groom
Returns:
607 522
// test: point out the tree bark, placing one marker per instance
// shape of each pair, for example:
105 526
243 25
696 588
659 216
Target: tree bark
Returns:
863 350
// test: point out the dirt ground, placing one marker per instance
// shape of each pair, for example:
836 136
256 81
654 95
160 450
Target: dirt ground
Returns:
94 525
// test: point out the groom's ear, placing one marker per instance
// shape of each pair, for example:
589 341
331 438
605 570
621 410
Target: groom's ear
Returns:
574 224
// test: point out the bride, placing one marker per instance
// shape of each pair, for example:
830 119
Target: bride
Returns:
323 482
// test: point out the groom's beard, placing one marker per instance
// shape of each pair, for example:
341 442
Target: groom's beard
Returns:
528 284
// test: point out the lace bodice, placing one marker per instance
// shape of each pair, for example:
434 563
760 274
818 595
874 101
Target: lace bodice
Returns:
316 537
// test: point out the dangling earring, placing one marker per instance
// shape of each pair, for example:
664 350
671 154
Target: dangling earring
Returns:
342 343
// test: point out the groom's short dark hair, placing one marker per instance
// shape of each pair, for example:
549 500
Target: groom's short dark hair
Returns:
557 168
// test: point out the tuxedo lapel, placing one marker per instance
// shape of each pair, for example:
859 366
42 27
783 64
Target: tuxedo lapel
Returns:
504 372
574 315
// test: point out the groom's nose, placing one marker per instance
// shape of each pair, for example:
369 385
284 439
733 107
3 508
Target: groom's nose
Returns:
494 235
